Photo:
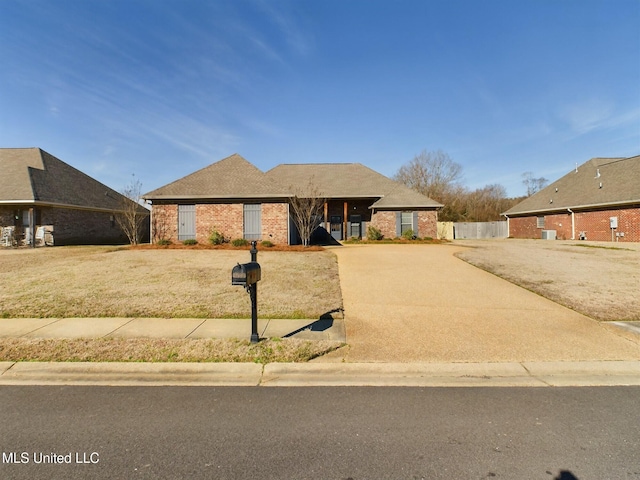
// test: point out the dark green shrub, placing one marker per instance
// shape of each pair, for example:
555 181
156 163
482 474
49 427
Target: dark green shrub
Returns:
374 233
267 244
190 241
164 241
240 242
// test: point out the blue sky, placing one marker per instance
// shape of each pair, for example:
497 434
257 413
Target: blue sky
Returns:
161 88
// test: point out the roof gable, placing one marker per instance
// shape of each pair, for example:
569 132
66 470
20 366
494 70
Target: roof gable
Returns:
231 177
344 180
32 175
598 182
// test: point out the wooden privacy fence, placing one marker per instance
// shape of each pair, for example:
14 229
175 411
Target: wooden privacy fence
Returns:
479 230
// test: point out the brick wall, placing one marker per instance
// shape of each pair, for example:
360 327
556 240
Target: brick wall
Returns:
524 227
164 222
595 224
7 216
428 224
385 221
70 226
226 218
275 223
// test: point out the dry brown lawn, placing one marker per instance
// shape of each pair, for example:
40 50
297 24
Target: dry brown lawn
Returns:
166 283
600 280
166 350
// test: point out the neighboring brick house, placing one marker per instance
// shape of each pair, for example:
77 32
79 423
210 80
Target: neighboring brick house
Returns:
599 200
235 198
39 192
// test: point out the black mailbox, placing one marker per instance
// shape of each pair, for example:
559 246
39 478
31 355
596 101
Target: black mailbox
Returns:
246 274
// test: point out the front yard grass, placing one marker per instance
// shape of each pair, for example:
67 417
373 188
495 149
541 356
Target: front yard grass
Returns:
64 282
109 281
168 350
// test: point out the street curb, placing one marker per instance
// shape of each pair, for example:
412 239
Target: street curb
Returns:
125 374
506 374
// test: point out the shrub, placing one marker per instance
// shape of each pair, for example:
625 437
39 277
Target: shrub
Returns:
164 241
267 244
409 234
216 238
374 233
240 242
190 241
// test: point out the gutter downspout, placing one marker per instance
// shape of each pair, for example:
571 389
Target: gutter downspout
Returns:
508 226
573 224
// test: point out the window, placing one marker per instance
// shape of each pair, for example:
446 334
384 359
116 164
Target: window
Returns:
540 222
406 222
355 222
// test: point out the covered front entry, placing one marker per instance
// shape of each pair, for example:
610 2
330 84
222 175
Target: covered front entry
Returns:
345 219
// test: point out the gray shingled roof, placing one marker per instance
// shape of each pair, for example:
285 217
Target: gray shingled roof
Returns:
236 178
232 177
596 183
350 180
33 176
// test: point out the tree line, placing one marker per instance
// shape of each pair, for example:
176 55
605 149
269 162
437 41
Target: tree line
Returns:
437 176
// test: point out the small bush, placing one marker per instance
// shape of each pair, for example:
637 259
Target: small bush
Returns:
374 233
190 241
409 234
164 241
216 238
267 244
240 242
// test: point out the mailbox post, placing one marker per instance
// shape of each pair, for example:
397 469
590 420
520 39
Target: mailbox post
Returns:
248 275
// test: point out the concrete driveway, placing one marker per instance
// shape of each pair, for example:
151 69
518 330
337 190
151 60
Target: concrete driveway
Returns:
419 303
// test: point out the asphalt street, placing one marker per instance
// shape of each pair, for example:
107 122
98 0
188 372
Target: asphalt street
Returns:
310 433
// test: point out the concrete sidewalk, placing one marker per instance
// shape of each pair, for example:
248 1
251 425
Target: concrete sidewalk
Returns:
306 329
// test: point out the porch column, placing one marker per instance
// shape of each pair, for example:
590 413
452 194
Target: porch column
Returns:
344 230
32 226
326 218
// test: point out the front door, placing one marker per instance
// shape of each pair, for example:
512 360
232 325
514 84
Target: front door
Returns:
336 227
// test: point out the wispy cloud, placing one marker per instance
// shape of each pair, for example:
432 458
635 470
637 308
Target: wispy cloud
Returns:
297 39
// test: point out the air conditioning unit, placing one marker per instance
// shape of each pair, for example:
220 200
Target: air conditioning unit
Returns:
548 234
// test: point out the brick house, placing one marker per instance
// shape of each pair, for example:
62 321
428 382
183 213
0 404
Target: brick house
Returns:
42 194
237 199
599 200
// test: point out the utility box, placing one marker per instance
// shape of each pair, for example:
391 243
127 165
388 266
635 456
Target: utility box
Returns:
246 274
613 222
548 234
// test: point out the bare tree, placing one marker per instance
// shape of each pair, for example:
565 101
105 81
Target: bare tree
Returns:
437 176
533 185
307 205
433 174
161 227
132 214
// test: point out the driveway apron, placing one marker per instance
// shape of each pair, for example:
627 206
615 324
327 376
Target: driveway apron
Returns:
419 303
